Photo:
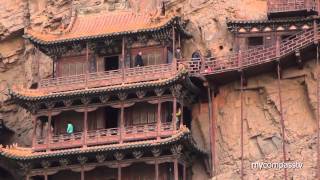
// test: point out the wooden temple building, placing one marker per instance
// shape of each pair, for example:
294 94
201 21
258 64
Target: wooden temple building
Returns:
133 121
129 121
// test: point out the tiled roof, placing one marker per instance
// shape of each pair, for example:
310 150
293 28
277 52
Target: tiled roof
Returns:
103 25
272 21
37 95
18 153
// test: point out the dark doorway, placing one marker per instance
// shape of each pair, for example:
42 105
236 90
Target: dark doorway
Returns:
255 41
111 117
111 63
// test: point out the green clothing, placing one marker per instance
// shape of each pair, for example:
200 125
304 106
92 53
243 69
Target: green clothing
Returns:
70 128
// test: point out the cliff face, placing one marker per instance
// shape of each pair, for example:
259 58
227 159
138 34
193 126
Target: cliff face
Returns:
19 63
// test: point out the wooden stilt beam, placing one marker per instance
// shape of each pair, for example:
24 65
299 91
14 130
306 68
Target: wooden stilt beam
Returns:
27 177
45 176
211 128
282 121
241 125
318 114
175 169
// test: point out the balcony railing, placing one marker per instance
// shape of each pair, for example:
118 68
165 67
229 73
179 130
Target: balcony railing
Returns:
106 136
107 78
276 6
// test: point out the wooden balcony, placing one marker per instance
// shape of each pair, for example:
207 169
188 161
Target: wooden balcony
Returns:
218 68
285 8
106 136
107 78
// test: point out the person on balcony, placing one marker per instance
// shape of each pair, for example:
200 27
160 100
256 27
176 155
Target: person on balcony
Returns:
70 128
138 60
209 58
178 54
196 55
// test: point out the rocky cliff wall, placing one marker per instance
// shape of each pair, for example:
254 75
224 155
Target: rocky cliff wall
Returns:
262 137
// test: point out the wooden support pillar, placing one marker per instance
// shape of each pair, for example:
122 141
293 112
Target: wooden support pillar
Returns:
184 172
87 63
82 173
156 166
181 117
277 46
119 172
27 177
174 114
174 61
121 122
159 120
123 60
175 169
173 42
53 66
49 130
34 132
85 127
282 121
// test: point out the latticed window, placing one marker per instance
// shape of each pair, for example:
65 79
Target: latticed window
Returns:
75 65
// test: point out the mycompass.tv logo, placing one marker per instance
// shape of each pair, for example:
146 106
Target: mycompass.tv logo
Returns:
276 165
